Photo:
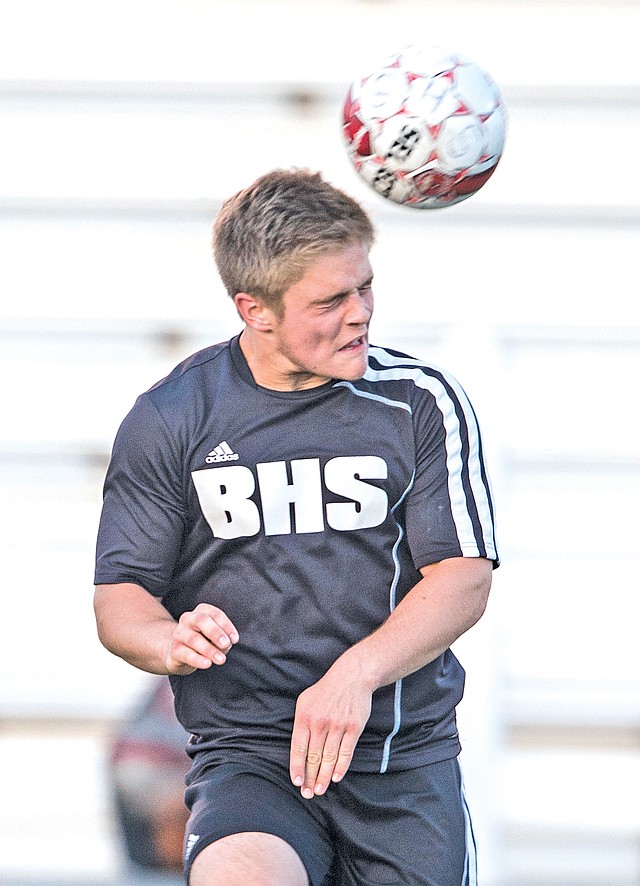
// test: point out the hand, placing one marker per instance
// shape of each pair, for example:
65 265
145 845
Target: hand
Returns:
202 637
329 719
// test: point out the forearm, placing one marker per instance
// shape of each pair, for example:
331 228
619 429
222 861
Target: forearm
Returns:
331 714
134 625
448 600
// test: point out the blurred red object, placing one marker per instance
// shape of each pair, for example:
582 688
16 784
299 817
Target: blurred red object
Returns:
147 766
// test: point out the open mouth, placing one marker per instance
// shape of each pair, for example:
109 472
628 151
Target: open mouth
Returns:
355 344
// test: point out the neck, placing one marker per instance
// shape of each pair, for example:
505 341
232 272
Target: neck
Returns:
271 369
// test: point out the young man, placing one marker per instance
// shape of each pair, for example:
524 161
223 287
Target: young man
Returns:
296 527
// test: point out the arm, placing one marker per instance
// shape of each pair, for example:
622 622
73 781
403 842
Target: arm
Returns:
134 625
331 714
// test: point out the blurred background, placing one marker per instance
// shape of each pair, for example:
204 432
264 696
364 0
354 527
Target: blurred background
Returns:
123 124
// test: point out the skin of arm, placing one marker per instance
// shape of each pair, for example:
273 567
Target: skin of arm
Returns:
331 714
134 625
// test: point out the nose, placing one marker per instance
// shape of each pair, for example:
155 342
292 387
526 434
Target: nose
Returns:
359 307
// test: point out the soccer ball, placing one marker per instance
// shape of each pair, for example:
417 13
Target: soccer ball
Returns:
426 129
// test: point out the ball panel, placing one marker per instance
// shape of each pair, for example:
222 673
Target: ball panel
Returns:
433 99
479 91
404 142
385 183
495 131
383 94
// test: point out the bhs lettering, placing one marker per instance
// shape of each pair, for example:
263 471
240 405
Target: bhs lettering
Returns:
225 496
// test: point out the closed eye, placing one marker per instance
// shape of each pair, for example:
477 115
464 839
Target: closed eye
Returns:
340 297
330 302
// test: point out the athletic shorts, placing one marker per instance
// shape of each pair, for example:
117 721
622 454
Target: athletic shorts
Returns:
408 827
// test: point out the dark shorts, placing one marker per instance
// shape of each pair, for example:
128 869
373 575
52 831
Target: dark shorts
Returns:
409 827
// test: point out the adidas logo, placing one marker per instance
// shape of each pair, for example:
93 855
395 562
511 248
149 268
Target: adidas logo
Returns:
191 842
223 452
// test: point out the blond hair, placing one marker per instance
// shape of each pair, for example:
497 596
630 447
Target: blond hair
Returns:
265 236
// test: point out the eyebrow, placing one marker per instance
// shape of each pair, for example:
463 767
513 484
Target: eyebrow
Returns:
366 283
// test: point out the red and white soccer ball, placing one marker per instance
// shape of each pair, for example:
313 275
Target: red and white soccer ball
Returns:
426 129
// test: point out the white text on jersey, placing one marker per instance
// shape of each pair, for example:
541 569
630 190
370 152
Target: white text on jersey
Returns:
225 496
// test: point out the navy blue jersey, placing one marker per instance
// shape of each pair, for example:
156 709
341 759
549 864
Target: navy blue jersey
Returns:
305 516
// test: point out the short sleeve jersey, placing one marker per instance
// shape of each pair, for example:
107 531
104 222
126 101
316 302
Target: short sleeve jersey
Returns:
306 516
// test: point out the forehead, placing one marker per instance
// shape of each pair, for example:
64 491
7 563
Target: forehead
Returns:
332 272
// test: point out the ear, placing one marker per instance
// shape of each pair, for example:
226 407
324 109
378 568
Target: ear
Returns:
254 312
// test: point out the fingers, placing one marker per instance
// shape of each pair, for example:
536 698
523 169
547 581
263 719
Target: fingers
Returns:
202 637
329 718
320 756
327 764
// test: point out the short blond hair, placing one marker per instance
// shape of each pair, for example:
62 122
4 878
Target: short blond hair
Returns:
266 235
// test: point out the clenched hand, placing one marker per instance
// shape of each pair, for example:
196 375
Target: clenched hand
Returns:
202 637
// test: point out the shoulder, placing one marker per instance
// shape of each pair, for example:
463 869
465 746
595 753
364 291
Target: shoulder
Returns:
408 377
388 363
171 405
189 371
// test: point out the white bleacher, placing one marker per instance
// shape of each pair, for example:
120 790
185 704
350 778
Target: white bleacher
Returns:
123 125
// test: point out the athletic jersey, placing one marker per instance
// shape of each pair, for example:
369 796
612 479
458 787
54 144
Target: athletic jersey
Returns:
305 516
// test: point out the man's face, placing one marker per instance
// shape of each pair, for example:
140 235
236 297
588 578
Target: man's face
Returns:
322 330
